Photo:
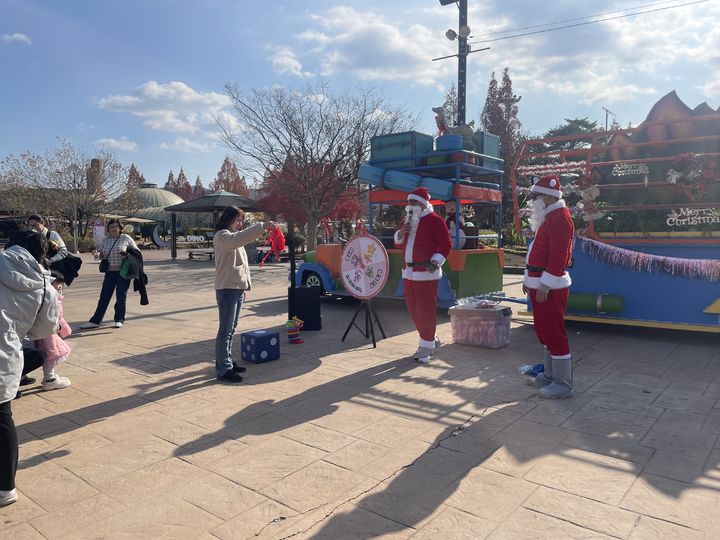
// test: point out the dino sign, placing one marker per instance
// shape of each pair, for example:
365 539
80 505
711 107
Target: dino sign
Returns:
364 266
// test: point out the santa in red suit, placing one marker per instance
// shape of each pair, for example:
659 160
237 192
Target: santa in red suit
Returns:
547 284
425 241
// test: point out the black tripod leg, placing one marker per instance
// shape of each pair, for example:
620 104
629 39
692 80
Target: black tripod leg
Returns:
357 311
370 323
372 308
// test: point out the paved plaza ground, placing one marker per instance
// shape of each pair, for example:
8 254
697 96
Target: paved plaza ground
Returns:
339 440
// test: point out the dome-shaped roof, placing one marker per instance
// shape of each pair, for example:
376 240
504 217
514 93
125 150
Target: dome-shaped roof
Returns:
151 196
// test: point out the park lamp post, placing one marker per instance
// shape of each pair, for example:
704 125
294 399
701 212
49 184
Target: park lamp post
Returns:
76 173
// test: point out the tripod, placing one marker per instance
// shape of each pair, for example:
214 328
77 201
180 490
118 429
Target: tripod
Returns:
371 319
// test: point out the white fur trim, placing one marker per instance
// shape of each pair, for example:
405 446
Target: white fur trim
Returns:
556 282
409 244
427 210
397 239
409 273
546 191
562 357
554 206
427 344
531 282
419 199
438 259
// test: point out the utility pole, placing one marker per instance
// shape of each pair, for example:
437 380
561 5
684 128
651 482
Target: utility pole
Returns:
607 113
462 61
462 34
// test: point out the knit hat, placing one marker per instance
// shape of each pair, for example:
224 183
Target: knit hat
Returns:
421 195
548 185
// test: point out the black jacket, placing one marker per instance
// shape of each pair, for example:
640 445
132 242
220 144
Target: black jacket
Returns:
137 274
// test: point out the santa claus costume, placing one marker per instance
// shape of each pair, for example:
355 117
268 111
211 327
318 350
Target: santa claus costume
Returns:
547 284
425 246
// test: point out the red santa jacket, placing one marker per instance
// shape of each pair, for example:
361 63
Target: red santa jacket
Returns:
429 242
551 251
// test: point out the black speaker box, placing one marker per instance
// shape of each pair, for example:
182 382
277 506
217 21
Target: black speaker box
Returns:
304 303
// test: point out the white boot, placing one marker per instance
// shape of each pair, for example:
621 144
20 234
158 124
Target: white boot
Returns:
562 379
545 378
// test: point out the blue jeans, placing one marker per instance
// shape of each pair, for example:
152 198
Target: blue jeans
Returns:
229 303
112 283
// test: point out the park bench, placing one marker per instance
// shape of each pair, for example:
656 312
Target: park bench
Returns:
201 253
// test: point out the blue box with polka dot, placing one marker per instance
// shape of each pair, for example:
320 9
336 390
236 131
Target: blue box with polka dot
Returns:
260 346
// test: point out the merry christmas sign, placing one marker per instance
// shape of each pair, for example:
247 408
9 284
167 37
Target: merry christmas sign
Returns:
364 267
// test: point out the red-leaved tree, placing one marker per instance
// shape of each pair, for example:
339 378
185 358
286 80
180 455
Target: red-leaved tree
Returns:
229 179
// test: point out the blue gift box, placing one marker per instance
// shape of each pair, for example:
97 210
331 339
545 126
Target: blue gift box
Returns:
260 346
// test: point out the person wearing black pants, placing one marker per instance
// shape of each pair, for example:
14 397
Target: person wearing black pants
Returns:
33 358
8 450
29 308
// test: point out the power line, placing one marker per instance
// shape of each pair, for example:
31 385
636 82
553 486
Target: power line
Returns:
572 20
589 22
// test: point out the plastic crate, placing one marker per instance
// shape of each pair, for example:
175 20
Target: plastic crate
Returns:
400 150
481 327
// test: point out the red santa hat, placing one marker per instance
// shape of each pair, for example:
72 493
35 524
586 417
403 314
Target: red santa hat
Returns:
548 185
421 195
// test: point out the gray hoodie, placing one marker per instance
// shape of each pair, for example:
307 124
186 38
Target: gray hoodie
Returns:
28 306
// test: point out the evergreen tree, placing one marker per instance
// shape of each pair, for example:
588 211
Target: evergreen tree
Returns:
229 179
500 117
170 184
135 179
198 190
182 186
571 126
450 107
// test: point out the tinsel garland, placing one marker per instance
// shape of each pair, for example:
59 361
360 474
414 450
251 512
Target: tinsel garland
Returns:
553 167
702 269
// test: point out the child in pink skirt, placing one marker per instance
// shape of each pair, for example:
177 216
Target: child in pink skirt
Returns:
55 346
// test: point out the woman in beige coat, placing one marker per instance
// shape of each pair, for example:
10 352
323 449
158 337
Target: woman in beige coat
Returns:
232 279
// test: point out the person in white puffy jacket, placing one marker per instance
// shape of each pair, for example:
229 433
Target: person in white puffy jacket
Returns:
28 307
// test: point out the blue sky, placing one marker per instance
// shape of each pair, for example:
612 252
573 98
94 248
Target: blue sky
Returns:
145 77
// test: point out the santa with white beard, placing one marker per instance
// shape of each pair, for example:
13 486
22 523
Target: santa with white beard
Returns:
425 241
547 283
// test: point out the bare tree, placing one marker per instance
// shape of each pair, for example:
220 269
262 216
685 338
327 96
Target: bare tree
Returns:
304 137
68 184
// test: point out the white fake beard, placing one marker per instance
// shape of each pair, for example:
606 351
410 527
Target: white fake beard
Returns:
412 216
538 214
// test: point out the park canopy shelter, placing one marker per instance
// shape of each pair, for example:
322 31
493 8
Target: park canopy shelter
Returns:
215 202
212 202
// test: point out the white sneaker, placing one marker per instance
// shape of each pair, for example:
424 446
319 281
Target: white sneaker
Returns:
56 384
8 497
89 326
423 355
117 324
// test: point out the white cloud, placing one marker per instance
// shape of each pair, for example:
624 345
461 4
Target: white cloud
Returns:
615 61
173 107
183 144
711 88
371 47
285 61
123 144
17 36
82 126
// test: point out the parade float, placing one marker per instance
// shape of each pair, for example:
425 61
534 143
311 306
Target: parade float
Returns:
460 168
646 202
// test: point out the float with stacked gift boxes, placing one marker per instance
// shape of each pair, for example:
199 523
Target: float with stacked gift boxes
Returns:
454 175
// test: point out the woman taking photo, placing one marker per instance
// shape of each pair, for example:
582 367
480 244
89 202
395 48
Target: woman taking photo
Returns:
232 279
113 251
